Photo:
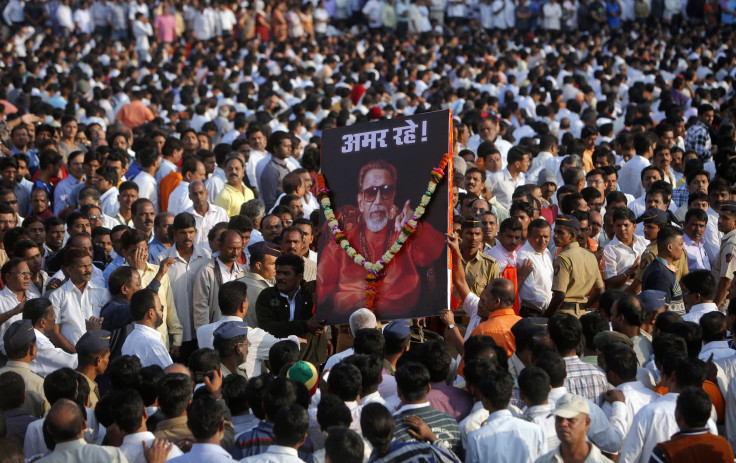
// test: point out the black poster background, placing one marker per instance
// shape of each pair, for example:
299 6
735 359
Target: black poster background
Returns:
414 163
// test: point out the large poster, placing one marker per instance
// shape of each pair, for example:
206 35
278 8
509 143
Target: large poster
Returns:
377 175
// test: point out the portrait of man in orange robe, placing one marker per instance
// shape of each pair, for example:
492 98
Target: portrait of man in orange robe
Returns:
407 281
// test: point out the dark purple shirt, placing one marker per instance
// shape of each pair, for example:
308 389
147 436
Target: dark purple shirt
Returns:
450 399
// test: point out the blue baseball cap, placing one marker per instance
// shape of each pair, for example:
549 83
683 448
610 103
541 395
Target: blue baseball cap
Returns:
397 329
652 299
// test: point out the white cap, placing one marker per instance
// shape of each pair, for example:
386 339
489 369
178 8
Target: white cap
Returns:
570 406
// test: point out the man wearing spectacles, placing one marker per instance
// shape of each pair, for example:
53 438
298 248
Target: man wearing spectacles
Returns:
17 278
341 282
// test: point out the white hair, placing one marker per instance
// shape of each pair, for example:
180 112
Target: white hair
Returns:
362 318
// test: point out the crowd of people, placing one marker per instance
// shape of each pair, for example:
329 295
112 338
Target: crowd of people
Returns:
159 229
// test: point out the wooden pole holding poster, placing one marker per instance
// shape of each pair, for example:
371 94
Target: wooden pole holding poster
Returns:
385 191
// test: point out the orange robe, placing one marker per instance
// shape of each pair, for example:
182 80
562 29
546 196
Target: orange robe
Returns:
341 282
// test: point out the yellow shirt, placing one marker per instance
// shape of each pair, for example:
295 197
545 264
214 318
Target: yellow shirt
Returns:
230 199
172 324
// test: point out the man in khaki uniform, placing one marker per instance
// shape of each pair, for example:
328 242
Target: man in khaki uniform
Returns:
575 271
660 218
724 265
20 345
479 268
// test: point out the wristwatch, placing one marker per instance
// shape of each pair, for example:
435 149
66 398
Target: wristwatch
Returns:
451 326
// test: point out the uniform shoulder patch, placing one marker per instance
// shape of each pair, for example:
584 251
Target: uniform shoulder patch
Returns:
557 269
643 264
729 256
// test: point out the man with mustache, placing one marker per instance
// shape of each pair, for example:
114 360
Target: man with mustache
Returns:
188 259
77 302
341 283
235 192
292 242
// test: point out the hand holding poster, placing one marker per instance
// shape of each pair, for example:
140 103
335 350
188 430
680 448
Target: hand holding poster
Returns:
388 210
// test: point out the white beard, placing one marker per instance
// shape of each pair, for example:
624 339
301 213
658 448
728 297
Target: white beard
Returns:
376 225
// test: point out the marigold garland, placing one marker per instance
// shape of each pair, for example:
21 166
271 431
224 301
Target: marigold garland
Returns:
374 268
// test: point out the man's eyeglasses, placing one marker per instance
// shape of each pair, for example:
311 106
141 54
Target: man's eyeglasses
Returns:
11 202
98 217
387 192
23 274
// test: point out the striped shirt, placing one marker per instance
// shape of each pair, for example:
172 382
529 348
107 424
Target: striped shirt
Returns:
586 380
442 425
415 452
257 440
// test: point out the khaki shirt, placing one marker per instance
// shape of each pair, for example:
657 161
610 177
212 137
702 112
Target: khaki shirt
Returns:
36 403
479 271
94 392
173 429
725 264
576 272
651 253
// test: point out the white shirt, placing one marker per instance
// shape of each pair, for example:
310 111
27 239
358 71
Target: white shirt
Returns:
541 415
179 199
205 333
259 345
503 257
132 447
50 358
215 184
164 169
148 187
226 273
617 257
653 424
537 289
337 358
205 223
251 167
109 202
475 419
697 257
637 396
629 177
73 307
506 439
697 311
503 186
181 277
275 454
145 343
205 453
719 349
9 301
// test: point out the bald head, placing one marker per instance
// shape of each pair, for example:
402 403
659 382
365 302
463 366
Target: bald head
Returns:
504 290
196 185
65 421
178 368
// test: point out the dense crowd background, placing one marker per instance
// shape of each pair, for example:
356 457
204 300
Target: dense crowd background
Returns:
159 221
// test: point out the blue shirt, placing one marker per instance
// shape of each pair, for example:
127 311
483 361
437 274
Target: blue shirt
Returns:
659 276
613 21
134 169
155 247
119 261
